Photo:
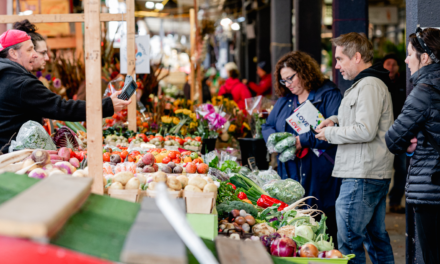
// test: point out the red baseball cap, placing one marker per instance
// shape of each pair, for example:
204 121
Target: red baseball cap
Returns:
12 37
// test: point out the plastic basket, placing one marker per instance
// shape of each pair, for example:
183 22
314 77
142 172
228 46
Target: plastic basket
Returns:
278 260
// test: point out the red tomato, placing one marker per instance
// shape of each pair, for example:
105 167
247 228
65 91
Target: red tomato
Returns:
177 161
172 155
135 153
169 138
124 154
180 141
187 139
166 160
178 156
106 157
143 136
114 116
199 139
131 159
160 138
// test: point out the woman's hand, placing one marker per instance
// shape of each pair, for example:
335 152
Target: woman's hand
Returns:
413 146
119 104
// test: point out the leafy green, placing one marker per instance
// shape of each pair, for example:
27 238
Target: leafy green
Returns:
230 166
269 214
245 183
288 217
224 208
322 228
288 190
226 193
213 163
253 194
301 241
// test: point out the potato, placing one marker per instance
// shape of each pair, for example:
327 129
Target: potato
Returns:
192 188
152 186
208 179
198 182
123 177
210 187
174 183
116 185
184 180
142 178
133 184
79 173
159 176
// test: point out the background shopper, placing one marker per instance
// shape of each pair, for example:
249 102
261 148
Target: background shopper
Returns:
398 95
417 131
233 87
362 159
299 79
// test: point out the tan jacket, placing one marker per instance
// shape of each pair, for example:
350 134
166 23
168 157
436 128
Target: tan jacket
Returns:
364 116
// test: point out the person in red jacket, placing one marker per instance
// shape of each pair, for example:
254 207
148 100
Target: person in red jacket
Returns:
265 86
233 87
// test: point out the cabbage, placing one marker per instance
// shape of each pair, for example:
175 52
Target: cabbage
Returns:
324 245
305 231
65 137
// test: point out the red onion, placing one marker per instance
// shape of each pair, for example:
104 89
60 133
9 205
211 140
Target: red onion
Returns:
283 247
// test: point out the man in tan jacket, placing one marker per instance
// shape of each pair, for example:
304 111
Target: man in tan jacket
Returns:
362 158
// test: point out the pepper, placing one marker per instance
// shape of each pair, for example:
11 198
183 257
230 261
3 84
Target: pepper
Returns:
267 201
246 201
233 186
242 195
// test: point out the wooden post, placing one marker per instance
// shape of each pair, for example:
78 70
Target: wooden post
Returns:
93 92
131 62
192 25
198 64
79 42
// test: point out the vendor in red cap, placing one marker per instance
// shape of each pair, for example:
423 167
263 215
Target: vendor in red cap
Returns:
23 97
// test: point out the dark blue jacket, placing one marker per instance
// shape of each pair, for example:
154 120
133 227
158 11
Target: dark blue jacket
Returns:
315 174
421 112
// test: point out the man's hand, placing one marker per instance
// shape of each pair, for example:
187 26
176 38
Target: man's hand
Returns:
413 146
321 135
325 123
298 144
119 104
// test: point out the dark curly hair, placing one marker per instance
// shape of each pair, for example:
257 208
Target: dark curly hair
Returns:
30 29
307 70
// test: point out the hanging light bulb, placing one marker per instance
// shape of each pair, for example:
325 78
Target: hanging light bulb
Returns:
235 26
149 5
225 22
159 6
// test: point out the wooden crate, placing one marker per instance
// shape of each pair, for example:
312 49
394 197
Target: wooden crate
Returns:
127 195
199 203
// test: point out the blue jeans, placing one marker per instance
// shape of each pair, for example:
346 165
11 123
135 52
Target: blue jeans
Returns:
360 215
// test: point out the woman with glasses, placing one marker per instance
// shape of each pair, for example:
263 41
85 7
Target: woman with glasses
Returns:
298 79
39 42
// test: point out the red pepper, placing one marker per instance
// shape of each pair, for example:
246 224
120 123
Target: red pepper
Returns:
267 200
131 139
233 186
263 203
242 196
143 136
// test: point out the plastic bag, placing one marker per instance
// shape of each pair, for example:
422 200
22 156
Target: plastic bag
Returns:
284 144
268 175
288 154
114 86
288 190
254 177
274 139
257 107
32 135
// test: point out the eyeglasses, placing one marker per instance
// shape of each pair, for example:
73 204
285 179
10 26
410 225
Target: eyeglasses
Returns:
288 81
43 53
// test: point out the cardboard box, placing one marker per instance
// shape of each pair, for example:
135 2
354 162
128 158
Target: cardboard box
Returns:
199 203
128 195
205 225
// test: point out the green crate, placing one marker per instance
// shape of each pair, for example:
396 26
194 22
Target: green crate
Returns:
205 225
278 260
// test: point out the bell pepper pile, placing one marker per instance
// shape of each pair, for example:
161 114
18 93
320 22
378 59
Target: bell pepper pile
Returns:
266 201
